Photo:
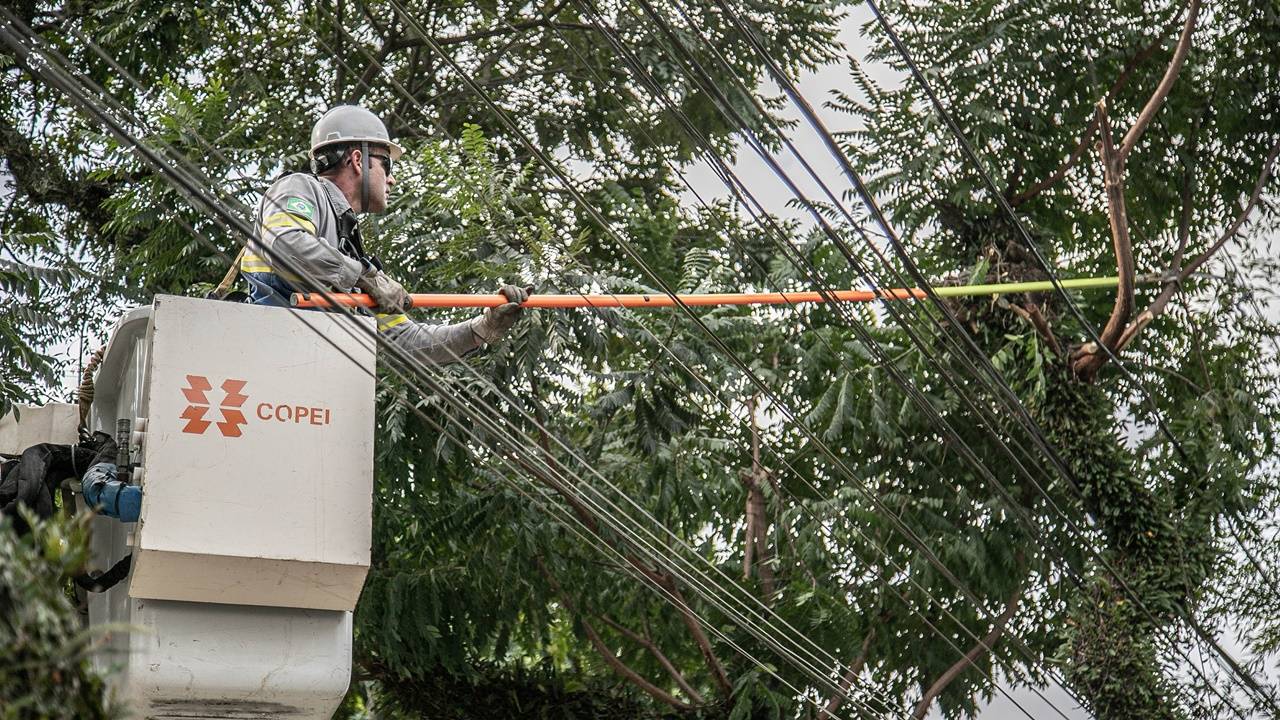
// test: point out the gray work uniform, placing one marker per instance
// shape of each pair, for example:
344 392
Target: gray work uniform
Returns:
305 224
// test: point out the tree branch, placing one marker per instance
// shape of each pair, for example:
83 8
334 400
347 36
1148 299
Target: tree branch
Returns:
1166 84
1177 275
1254 198
606 653
507 29
757 540
648 644
1187 196
376 66
1088 359
658 578
984 645
1092 127
828 711
1031 312
699 637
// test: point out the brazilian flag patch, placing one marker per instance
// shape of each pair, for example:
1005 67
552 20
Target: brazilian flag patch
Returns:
300 207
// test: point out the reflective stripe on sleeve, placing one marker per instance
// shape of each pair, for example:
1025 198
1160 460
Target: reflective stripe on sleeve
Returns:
386 321
288 220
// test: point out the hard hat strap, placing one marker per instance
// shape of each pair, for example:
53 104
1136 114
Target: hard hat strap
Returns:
364 176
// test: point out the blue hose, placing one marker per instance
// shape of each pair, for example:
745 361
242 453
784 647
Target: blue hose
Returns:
109 496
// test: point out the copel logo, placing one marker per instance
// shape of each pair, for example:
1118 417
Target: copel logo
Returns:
232 418
232 400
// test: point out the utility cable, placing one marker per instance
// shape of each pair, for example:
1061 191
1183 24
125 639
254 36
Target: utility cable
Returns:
1003 202
912 579
947 639
140 148
1204 636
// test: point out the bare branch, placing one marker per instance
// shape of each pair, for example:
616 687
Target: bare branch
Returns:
1187 196
1092 127
648 644
507 29
1031 312
1240 220
984 646
1166 84
1177 275
699 637
375 67
606 653
829 710
1089 358
757 534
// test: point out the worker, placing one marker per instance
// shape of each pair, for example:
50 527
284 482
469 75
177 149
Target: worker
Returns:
306 222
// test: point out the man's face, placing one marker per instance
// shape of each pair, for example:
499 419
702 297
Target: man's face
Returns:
380 178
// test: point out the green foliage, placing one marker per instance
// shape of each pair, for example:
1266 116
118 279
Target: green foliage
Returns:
480 596
1022 80
45 670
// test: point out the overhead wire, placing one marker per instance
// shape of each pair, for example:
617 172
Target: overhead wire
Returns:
1018 409
653 336
631 252
912 579
535 153
679 361
1068 478
872 344
970 154
438 390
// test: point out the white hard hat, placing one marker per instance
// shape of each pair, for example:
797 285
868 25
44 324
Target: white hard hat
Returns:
351 124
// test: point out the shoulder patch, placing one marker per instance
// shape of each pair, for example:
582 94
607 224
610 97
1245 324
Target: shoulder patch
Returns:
300 207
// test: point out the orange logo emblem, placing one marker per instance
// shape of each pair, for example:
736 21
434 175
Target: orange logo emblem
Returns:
232 418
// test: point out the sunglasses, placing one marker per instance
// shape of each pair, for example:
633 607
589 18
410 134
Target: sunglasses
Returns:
386 162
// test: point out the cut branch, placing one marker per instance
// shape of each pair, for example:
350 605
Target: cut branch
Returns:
1031 312
984 646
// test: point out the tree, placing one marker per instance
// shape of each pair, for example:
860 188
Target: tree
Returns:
1127 138
858 473
45 671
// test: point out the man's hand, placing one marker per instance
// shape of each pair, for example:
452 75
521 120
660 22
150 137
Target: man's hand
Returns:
495 322
389 295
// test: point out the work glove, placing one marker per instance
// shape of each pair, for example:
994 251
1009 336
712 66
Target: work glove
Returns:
388 295
106 449
496 321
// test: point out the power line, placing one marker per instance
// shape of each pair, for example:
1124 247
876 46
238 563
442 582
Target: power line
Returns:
150 158
799 100
783 459
1031 245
